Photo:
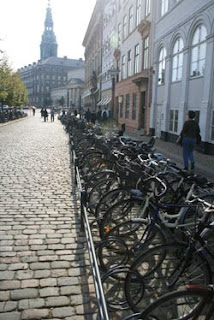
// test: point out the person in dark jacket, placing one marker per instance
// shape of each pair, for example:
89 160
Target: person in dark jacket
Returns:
188 136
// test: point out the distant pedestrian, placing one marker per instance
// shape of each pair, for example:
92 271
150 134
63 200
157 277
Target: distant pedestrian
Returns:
105 114
93 117
45 115
52 114
42 112
88 115
189 136
34 110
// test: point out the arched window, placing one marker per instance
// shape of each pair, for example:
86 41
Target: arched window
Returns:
177 60
161 66
164 6
198 53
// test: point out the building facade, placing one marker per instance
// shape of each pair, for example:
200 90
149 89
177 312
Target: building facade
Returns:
93 55
124 51
183 68
133 59
50 72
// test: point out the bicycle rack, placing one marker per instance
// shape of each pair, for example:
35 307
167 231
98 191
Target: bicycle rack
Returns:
102 307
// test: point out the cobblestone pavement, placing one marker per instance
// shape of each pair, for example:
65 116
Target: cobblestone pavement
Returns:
44 264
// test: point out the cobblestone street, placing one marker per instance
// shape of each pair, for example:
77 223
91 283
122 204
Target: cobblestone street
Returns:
44 264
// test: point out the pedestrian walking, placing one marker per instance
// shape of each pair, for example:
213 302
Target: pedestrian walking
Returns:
42 112
105 114
34 111
45 115
93 117
188 138
88 115
52 114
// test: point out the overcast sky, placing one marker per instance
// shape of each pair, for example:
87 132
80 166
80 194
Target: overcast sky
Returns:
22 26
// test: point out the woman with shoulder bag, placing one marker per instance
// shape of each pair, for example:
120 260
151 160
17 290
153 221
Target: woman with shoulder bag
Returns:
190 136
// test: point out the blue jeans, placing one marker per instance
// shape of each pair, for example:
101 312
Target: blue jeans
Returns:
188 145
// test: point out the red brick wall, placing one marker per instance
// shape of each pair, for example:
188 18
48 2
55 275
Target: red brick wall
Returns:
123 88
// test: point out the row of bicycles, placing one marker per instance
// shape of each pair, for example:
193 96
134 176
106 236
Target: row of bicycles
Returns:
152 226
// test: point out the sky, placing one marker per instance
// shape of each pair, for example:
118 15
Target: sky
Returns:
22 26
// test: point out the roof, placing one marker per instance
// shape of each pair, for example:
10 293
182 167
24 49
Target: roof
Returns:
75 81
65 62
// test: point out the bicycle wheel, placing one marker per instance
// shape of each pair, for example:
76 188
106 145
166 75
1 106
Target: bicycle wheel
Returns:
164 268
110 199
208 236
112 252
100 189
192 215
182 304
139 234
121 211
92 163
97 177
113 286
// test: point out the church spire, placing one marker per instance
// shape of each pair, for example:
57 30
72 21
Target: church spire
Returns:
48 47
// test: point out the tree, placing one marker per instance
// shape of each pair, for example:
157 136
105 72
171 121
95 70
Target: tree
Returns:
12 90
5 76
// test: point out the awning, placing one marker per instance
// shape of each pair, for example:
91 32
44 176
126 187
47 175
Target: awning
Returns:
100 102
104 101
107 100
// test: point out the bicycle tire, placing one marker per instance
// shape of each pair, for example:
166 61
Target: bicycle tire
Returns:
121 211
139 234
162 269
99 190
182 304
192 215
113 286
111 198
92 162
112 252
97 177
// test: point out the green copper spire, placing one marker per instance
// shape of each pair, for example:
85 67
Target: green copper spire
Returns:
48 47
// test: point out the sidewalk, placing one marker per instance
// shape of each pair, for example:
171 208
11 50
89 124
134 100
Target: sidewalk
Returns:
204 163
44 262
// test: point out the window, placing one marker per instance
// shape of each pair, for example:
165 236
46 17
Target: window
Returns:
131 24
138 8
119 34
198 53
129 63
148 7
123 75
136 58
161 66
125 27
134 106
177 60
212 128
121 106
120 5
127 107
164 6
146 53
173 122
